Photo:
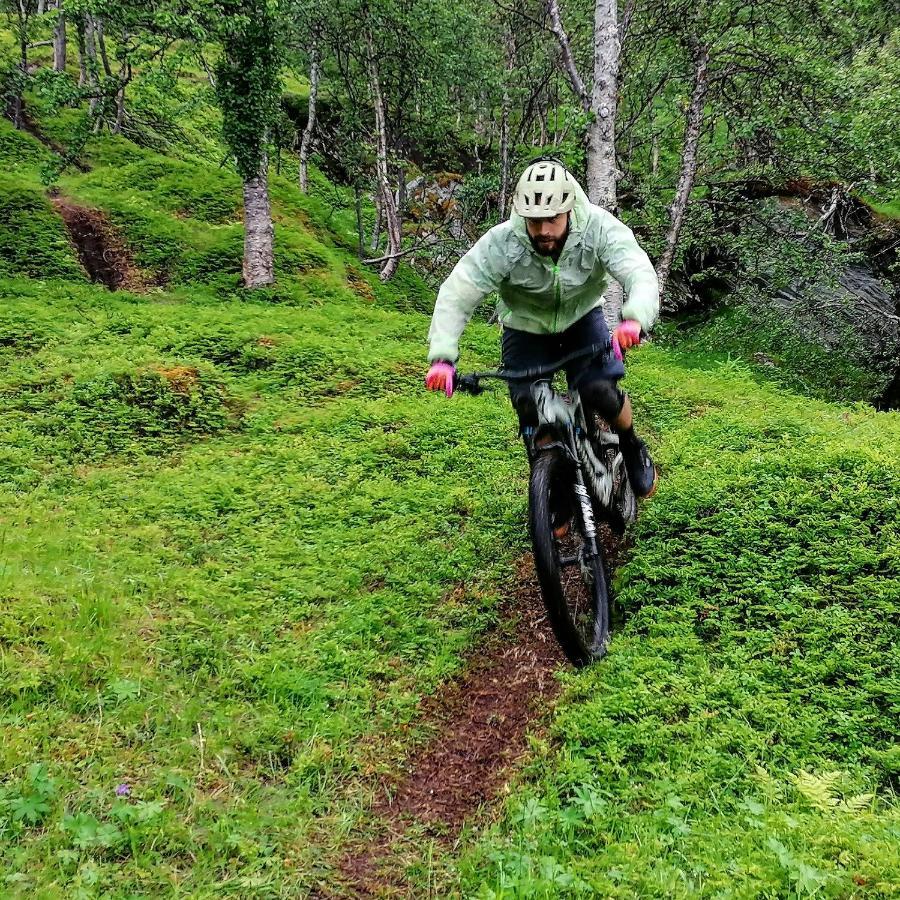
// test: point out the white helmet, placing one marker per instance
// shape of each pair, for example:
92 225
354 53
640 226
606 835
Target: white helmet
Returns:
545 189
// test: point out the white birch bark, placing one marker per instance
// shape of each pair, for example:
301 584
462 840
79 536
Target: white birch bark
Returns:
89 62
504 121
125 75
306 142
601 104
59 41
376 227
601 155
504 155
259 234
101 43
388 207
17 102
693 127
601 158
82 52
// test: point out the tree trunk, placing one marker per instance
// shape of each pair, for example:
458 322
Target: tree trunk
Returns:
568 60
125 74
306 142
388 208
401 189
17 102
59 42
360 231
601 157
601 104
101 43
601 150
82 52
693 125
89 61
259 235
376 227
504 155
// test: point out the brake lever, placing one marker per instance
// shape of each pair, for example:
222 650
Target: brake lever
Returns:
469 384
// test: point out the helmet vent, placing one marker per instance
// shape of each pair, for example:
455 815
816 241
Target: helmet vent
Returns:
545 189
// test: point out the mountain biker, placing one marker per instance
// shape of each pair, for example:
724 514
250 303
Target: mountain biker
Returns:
550 262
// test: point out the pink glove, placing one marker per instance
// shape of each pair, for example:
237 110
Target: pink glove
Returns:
440 377
626 335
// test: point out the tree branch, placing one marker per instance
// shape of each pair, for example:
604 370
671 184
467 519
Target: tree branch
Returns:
568 61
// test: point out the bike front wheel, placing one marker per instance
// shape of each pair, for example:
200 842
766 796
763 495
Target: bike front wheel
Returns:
572 578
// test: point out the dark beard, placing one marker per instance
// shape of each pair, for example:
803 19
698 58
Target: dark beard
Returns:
553 249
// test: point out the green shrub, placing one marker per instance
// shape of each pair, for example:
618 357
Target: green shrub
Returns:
33 238
148 411
772 345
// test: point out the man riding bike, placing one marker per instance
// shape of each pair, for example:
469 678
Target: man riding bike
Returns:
550 262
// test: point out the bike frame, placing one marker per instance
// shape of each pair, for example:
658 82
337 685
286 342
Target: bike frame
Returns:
562 416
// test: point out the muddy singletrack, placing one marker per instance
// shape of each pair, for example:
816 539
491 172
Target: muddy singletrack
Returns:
481 722
100 247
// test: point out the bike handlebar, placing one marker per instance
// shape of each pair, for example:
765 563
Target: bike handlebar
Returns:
470 384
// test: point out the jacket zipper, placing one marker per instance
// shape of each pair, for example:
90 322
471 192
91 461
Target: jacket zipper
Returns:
558 294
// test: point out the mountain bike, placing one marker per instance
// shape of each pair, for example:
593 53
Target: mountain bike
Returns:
578 482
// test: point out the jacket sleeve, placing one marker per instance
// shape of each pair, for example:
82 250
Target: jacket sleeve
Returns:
478 273
624 259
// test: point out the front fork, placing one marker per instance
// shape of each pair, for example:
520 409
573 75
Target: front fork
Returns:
585 505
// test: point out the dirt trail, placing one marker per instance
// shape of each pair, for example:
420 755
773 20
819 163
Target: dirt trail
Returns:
100 248
482 720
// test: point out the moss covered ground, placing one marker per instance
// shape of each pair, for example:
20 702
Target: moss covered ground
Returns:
241 544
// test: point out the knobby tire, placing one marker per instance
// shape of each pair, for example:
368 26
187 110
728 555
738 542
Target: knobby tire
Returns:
576 593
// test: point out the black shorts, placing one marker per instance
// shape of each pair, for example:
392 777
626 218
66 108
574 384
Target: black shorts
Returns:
524 350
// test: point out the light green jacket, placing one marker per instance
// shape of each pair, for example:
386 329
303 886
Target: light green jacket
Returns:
537 295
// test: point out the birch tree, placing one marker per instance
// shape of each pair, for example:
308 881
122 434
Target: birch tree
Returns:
387 205
599 103
689 153
59 40
306 141
248 89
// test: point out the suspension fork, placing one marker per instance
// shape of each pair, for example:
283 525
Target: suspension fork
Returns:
585 505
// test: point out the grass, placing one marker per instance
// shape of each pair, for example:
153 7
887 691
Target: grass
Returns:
234 534
240 545
740 739
889 209
771 348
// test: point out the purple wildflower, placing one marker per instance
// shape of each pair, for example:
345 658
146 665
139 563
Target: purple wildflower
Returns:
123 790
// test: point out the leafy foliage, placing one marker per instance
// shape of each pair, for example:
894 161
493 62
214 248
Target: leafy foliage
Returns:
248 84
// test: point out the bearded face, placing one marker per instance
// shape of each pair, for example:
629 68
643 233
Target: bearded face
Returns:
548 235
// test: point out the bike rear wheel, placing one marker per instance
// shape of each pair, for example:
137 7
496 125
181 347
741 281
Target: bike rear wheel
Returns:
572 579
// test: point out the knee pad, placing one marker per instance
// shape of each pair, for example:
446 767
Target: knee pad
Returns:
523 404
603 396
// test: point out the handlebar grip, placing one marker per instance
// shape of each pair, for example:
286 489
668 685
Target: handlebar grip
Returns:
468 384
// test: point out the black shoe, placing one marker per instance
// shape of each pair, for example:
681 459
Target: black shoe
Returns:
640 468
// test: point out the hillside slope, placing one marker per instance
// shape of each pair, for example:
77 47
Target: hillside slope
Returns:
241 544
